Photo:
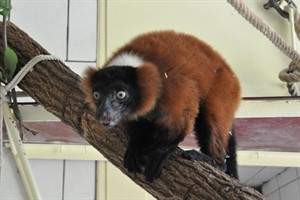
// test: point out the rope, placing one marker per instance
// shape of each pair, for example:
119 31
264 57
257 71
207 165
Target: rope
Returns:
277 40
28 67
13 83
290 75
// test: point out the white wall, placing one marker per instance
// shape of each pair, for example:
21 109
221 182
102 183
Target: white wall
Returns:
67 28
284 186
253 57
69 180
56 179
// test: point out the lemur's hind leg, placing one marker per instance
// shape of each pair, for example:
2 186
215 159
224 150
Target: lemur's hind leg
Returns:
216 139
215 120
208 143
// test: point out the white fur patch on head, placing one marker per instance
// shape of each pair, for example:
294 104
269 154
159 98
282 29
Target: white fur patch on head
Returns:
126 59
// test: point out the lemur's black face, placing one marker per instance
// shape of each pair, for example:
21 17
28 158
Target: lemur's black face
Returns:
115 94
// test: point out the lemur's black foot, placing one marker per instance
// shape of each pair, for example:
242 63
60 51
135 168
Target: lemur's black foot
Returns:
198 156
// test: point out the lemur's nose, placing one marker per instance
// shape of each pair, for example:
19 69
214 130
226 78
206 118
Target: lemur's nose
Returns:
105 119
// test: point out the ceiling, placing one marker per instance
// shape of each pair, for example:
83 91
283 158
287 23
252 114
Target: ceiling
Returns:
257 175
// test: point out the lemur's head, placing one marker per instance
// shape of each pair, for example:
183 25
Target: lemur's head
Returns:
120 92
115 94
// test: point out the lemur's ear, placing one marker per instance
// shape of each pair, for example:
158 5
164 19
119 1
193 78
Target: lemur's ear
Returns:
86 85
149 82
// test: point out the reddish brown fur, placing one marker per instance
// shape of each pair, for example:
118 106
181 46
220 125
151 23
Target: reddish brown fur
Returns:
189 72
148 75
86 85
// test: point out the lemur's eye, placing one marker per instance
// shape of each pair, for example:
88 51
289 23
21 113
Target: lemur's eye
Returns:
121 95
96 95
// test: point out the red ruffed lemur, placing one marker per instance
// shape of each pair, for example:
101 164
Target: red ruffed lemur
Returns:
162 86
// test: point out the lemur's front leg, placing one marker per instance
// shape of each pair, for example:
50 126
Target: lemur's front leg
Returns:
157 160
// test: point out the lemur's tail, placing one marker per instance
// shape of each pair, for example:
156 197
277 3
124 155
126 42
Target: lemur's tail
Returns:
231 161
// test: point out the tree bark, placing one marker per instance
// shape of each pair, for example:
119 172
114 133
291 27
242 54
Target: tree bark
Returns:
55 86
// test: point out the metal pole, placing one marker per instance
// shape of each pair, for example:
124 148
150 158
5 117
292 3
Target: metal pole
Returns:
19 154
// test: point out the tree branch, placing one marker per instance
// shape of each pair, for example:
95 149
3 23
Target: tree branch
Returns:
55 86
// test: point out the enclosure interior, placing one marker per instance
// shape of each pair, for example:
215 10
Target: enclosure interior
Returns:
84 33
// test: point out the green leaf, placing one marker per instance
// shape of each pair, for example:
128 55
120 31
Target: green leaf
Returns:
4 12
5 7
2 3
8 6
10 63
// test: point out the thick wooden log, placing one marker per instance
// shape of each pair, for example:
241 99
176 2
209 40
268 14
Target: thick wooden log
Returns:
55 87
